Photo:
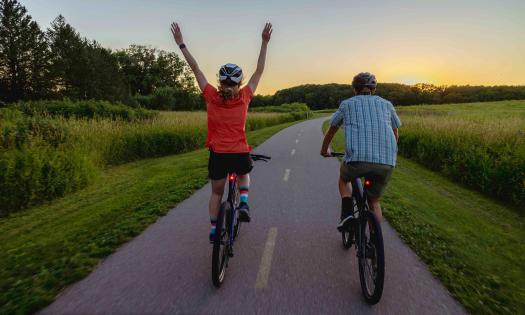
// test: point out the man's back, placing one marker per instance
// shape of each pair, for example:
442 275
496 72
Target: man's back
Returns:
368 121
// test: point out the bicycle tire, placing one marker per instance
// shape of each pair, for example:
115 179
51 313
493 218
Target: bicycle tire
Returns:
372 248
236 202
346 238
220 250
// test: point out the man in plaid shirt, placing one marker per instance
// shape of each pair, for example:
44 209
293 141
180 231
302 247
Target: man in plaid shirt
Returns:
371 133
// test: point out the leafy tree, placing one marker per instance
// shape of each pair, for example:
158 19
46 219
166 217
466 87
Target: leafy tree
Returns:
81 69
147 69
23 54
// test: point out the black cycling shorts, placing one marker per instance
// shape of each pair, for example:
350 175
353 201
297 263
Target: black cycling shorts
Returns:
220 164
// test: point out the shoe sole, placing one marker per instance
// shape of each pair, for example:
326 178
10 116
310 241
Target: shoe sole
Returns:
244 217
345 226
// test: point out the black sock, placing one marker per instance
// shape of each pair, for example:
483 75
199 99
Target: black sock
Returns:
347 206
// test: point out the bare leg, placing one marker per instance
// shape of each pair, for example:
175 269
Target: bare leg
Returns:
345 189
375 206
217 189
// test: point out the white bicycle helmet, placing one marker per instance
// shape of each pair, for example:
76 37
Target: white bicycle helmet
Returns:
230 74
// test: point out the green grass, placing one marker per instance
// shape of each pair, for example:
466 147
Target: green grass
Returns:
472 244
50 246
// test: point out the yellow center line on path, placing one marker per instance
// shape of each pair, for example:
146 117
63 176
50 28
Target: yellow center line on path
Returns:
286 174
266 260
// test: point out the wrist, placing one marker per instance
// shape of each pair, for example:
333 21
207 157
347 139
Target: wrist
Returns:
182 45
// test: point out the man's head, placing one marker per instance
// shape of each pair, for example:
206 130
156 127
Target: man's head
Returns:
230 79
364 83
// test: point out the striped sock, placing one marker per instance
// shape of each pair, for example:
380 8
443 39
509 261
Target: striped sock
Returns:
213 226
243 190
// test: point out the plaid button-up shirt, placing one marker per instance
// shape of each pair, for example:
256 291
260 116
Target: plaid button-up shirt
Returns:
368 121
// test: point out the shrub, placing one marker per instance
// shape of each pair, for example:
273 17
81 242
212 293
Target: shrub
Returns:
170 98
283 108
84 109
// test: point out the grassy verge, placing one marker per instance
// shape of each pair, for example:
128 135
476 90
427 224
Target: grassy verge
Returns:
471 243
49 246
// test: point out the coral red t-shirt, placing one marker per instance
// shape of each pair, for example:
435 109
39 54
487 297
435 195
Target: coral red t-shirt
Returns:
227 121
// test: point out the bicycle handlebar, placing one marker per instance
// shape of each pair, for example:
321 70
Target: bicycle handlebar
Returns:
260 157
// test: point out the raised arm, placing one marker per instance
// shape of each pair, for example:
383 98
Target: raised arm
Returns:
256 77
177 35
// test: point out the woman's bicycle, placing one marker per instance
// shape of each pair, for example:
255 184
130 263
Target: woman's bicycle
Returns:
365 233
228 227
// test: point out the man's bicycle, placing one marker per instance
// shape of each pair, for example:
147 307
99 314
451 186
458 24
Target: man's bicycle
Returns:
228 227
365 233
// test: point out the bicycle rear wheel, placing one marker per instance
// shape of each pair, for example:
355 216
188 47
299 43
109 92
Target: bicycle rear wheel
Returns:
220 247
236 201
371 259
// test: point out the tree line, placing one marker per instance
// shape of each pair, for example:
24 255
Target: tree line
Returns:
320 96
59 63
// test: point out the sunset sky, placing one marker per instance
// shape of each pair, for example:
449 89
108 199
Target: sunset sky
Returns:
406 41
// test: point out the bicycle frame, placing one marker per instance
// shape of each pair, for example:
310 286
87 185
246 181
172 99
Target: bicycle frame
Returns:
360 196
232 185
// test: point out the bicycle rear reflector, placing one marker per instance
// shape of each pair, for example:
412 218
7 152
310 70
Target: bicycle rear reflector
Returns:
368 183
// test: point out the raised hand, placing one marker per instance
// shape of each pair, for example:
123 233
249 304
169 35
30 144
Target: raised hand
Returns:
177 34
267 32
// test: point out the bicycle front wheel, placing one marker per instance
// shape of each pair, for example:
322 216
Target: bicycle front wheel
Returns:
220 247
371 259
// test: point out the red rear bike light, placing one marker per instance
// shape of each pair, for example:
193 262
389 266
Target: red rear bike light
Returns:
368 183
232 177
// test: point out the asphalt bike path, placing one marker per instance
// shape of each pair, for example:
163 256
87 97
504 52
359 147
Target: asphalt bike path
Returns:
289 259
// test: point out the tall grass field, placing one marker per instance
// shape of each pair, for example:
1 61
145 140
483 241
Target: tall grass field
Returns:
481 145
48 149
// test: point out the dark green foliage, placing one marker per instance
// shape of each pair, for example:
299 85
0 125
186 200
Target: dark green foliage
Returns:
36 161
320 96
61 63
81 69
137 145
84 109
146 69
171 98
23 54
283 108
